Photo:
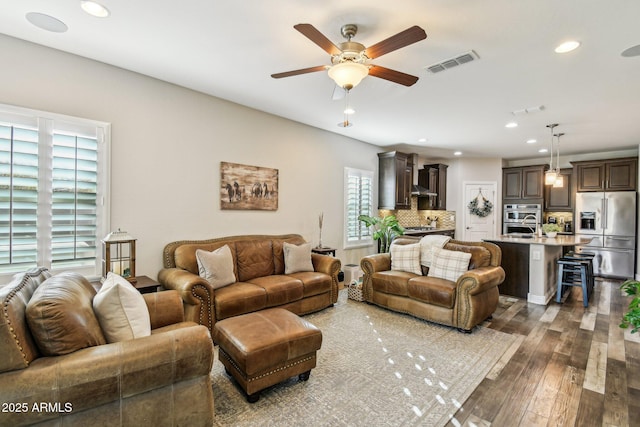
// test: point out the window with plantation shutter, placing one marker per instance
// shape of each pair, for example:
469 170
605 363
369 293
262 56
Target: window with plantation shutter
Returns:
53 176
358 190
18 195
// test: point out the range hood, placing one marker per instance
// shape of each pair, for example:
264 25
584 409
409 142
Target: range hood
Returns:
418 190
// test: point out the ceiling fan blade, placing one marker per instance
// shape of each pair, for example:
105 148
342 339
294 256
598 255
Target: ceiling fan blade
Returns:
297 72
392 75
310 32
402 39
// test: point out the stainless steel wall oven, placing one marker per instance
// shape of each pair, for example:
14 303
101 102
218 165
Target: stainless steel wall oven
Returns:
521 218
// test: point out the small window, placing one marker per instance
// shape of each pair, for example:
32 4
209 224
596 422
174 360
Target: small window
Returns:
358 200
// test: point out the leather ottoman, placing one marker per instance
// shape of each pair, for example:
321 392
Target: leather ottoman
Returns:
266 347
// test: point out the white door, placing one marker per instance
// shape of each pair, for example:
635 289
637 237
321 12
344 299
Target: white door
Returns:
476 227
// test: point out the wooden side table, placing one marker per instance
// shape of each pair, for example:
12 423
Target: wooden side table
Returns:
145 284
324 251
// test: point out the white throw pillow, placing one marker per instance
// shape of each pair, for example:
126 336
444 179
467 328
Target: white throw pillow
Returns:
121 310
448 264
406 258
216 267
297 258
427 243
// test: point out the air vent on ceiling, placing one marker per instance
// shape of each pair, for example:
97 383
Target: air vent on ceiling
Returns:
453 62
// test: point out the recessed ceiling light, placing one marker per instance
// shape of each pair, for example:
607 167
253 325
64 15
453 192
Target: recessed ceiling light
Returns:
422 140
94 8
567 46
531 141
457 153
511 125
542 150
349 110
46 22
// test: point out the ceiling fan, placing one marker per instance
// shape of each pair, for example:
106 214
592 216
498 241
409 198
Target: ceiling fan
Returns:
350 60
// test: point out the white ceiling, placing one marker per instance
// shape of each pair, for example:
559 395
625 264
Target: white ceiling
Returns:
229 49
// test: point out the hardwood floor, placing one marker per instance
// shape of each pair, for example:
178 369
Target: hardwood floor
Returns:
570 365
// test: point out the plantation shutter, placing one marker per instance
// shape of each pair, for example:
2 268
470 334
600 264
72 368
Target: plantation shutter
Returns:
74 200
18 195
358 201
53 191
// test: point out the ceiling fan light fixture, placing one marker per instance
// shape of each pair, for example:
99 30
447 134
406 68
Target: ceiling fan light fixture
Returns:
348 74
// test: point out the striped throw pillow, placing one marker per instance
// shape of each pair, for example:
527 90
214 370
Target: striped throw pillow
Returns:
448 264
406 258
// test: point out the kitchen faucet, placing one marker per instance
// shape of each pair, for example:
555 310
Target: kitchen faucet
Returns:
530 228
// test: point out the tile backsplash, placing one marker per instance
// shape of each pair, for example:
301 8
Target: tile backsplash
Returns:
417 218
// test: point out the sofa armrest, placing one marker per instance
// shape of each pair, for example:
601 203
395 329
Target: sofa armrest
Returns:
165 308
325 264
371 264
376 262
107 373
196 294
328 265
476 281
477 296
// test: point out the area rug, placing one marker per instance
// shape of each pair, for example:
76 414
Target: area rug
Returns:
375 368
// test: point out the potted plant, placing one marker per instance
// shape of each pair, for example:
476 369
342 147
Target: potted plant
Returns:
632 316
384 229
551 230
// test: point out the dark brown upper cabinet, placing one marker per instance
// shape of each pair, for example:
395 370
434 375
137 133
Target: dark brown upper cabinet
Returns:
560 198
607 175
433 177
395 178
523 184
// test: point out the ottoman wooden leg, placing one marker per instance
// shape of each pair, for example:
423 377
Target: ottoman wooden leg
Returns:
304 376
253 398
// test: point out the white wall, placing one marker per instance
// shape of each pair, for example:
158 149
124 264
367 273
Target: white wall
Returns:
167 145
462 169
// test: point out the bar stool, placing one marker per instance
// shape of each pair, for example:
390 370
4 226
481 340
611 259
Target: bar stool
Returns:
573 272
588 256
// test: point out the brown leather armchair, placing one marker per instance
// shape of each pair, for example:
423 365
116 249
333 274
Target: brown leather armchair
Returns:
155 380
462 304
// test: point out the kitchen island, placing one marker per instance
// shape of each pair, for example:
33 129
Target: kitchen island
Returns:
529 263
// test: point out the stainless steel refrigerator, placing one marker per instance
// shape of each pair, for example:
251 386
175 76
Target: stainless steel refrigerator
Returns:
610 218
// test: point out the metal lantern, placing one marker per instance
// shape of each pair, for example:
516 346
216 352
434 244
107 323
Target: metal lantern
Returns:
119 255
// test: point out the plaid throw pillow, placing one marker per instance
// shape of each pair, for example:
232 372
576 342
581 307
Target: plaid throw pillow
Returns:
406 258
449 264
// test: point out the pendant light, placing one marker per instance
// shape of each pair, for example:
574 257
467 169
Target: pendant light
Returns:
559 182
551 175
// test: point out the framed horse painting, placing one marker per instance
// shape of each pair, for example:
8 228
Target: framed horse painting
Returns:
246 187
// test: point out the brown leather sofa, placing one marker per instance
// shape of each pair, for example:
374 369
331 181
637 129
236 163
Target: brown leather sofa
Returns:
463 304
161 379
261 283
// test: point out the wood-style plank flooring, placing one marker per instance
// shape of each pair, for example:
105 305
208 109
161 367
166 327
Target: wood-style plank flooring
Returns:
569 366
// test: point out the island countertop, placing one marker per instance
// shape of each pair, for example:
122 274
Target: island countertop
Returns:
559 240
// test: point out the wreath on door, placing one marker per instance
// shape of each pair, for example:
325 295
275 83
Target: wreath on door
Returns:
480 206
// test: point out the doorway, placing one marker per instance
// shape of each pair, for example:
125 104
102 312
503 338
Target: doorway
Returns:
476 228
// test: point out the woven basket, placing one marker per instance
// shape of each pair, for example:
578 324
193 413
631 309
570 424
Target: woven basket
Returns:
355 291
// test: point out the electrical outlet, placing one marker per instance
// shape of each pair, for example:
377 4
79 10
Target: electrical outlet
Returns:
535 255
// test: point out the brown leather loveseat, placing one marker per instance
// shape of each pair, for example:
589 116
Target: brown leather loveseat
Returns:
463 303
161 379
261 282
